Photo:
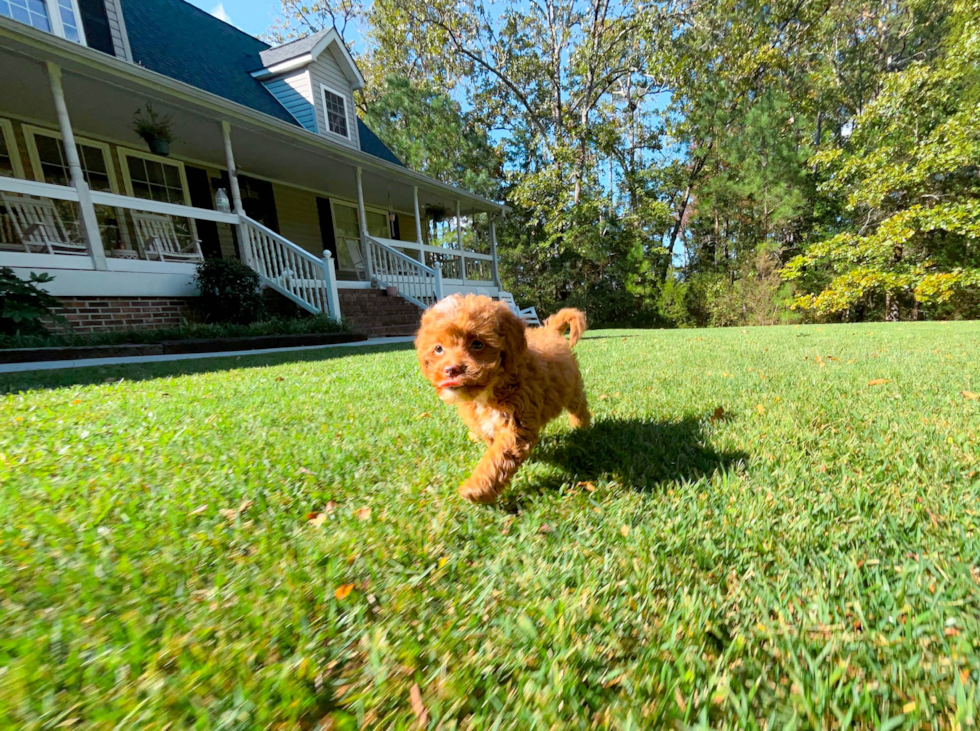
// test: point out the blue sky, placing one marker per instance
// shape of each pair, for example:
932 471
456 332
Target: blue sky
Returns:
251 16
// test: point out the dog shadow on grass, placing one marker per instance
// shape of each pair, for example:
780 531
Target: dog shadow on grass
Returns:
639 454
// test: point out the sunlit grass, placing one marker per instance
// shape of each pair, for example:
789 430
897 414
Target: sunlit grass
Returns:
750 536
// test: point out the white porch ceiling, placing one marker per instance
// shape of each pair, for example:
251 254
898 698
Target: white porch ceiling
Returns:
101 105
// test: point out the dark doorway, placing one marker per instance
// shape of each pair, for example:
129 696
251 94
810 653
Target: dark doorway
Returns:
259 201
326 226
199 186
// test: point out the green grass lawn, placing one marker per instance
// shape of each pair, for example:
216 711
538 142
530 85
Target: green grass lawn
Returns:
765 528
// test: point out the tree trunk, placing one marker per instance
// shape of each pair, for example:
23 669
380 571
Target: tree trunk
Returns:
678 225
891 308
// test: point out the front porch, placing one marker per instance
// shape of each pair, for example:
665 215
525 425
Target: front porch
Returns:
313 220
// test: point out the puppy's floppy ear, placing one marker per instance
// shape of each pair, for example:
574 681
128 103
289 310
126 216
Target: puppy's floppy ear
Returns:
511 330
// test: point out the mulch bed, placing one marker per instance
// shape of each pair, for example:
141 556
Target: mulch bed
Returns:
174 347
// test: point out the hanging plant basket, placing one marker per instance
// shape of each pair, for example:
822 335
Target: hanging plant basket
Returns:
156 130
158 145
436 214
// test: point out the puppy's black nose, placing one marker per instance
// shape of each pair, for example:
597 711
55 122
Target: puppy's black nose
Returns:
454 370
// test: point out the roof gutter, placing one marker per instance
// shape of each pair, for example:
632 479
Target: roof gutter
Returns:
53 47
281 68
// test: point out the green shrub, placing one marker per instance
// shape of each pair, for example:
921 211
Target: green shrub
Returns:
229 292
314 324
23 305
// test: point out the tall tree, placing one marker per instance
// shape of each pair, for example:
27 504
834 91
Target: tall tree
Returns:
909 177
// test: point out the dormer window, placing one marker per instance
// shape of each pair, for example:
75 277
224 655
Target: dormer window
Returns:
53 16
335 110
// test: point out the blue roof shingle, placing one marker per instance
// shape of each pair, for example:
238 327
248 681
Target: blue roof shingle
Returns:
176 39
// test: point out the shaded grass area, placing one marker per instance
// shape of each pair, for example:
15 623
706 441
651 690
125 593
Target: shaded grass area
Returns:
750 536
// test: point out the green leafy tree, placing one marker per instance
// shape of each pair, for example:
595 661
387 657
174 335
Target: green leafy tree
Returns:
429 132
910 181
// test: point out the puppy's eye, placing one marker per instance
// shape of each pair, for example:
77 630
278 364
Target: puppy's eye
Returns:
438 350
476 345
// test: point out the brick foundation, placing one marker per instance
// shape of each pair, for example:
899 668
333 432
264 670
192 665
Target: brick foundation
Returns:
377 315
105 314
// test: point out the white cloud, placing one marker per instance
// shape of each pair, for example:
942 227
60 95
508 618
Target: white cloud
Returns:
218 11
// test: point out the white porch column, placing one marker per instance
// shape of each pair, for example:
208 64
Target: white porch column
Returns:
236 192
244 244
86 209
459 228
459 244
330 279
438 282
418 217
493 249
362 226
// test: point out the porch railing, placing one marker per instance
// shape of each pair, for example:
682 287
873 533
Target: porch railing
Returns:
417 283
292 271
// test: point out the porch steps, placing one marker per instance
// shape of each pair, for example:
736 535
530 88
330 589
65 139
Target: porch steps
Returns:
375 314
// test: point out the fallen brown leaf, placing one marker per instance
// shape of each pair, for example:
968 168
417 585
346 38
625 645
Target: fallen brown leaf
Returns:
304 471
229 513
244 506
760 408
545 528
198 510
316 519
625 530
679 698
330 506
879 381
586 486
280 378
364 514
970 395
342 591
719 414
415 698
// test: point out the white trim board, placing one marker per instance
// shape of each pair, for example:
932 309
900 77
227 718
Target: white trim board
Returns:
82 283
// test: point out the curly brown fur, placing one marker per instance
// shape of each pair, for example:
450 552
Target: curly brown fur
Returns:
506 380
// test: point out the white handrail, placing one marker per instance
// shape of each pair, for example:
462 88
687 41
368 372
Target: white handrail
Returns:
417 283
169 209
415 246
41 190
292 271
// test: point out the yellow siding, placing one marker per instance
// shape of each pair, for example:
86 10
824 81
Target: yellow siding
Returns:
298 218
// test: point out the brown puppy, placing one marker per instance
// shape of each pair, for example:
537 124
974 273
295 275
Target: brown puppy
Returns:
506 380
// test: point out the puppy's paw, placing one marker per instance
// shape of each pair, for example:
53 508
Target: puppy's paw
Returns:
476 493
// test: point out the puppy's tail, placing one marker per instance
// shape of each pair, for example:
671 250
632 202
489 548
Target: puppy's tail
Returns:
569 318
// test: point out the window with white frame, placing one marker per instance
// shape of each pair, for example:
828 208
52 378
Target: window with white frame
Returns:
10 165
47 152
335 111
158 179
61 17
154 178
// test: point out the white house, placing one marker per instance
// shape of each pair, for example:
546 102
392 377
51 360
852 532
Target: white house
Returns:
317 205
